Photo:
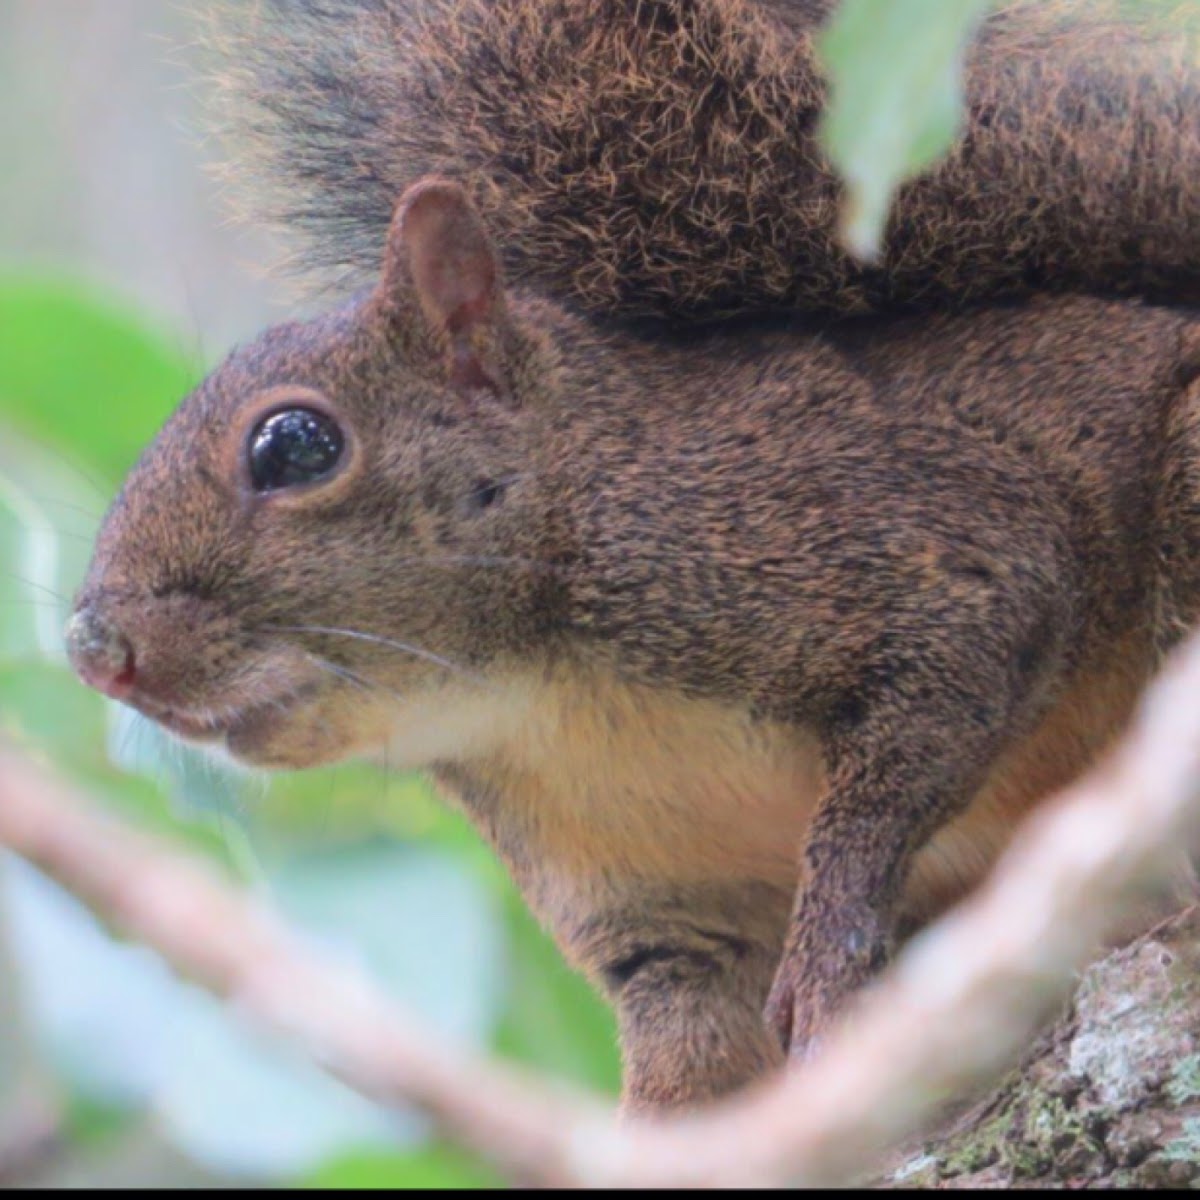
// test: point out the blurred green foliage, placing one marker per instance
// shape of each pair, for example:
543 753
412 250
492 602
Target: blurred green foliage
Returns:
896 99
896 91
369 863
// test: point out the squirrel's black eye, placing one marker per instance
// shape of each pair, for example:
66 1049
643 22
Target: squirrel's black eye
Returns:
294 447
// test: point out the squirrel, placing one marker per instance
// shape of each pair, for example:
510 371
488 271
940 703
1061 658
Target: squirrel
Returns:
746 646
662 158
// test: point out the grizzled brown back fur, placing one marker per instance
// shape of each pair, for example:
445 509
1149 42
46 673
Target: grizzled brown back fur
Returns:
661 156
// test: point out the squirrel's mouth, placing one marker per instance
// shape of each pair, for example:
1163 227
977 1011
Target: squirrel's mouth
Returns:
312 723
212 726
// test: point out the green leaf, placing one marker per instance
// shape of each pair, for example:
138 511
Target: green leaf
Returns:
43 704
896 99
48 518
83 376
434 1168
554 1020
345 802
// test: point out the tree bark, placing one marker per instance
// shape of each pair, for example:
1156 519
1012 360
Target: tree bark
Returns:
1108 1097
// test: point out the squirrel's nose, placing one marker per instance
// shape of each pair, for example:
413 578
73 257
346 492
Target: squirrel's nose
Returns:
101 655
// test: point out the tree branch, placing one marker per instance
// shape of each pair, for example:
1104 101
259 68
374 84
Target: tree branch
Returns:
32 1136
958 1008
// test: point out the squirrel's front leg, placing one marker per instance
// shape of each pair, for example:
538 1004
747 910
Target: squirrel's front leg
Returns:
685 965
906 751
687 969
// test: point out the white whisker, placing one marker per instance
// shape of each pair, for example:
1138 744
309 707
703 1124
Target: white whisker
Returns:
377 640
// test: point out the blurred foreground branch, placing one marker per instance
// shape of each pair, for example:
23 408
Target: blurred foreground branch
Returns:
32 1137
959 1007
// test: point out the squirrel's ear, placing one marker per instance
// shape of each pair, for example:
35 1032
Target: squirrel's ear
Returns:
439 248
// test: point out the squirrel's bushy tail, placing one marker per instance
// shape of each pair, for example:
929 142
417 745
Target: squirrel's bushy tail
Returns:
661 156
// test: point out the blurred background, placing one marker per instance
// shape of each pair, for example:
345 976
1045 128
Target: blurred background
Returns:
121 282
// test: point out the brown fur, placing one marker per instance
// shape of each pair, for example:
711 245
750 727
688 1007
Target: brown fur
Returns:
758 654
661 157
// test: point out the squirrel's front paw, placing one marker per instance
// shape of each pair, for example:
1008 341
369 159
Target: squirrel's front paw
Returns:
792 1012
820 972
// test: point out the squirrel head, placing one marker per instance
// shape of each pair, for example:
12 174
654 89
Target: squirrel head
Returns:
344 522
